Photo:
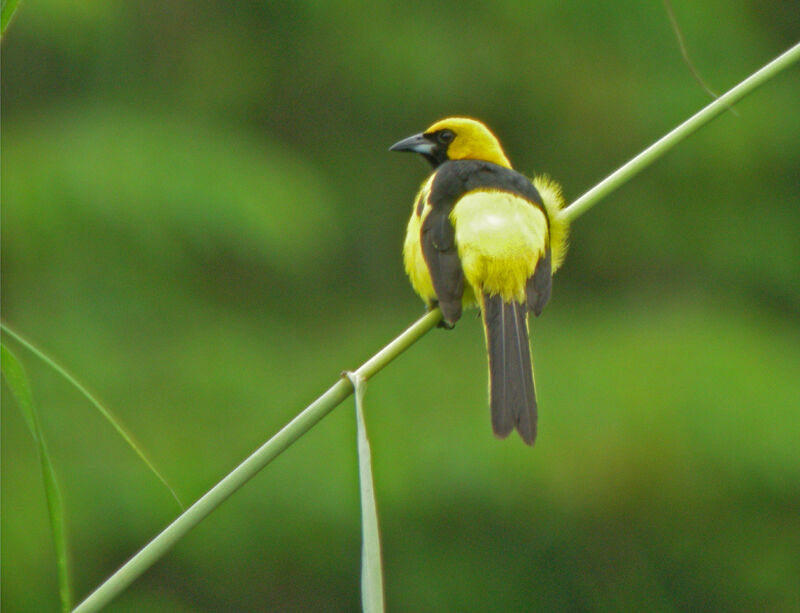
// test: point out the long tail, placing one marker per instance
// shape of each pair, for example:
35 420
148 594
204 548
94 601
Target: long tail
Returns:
511 391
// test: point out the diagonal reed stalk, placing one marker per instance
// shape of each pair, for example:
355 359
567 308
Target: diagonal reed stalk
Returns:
340 390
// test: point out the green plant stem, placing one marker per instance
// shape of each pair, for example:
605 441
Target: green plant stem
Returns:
301 424
691 125
343 388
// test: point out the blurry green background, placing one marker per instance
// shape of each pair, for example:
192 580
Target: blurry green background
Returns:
201 220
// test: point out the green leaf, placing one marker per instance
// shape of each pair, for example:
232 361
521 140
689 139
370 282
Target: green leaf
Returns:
7 10
17 381
371 568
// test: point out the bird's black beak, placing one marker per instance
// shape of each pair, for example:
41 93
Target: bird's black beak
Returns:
417 144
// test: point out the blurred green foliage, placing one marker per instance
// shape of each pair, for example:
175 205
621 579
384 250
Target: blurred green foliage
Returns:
201 219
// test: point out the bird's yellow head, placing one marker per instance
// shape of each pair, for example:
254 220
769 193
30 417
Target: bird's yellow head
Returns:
455 138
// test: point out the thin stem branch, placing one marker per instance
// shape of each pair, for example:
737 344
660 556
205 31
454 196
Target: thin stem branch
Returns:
309 417
684 52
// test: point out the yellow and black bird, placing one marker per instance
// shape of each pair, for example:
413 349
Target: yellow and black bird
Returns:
483 234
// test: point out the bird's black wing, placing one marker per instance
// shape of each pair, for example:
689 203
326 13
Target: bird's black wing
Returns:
437 238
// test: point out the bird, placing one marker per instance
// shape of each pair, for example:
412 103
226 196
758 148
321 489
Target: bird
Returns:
482 234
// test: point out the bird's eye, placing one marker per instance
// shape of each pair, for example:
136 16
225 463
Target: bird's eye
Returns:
445 137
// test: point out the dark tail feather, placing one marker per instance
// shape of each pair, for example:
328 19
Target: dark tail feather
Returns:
511 392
